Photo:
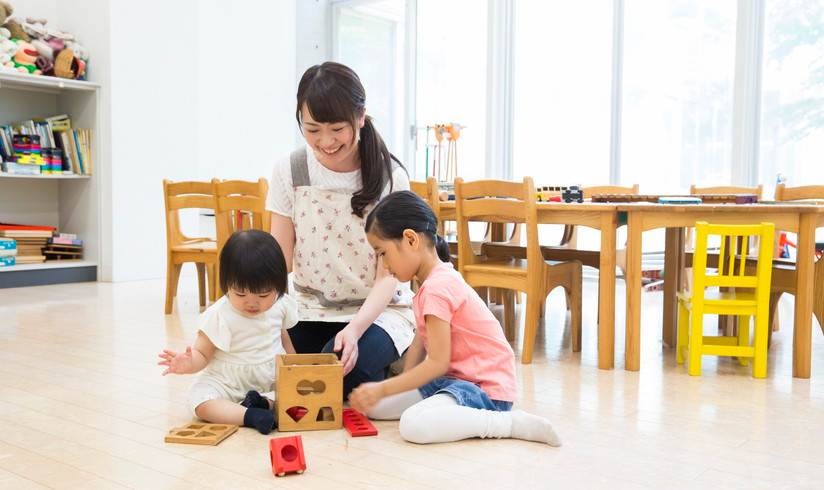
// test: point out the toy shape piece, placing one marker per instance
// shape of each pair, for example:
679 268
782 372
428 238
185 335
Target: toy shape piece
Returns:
296 413
357 424
200 433
287 455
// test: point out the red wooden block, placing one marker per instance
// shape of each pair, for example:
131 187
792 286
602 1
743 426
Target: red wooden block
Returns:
286 454
296 413
357 424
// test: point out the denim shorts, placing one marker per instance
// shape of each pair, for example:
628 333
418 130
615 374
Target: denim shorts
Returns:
468 394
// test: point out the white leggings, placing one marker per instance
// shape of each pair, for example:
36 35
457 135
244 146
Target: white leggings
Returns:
439 418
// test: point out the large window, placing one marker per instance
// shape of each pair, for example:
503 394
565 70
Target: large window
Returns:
369 39
562 92
679 68
792 104
451 82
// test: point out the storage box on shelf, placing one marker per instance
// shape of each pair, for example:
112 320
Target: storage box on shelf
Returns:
69 202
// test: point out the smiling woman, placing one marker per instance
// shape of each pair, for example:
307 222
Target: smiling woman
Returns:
319 196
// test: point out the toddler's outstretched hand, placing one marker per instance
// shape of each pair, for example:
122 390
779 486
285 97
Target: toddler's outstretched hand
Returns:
177 362
364 397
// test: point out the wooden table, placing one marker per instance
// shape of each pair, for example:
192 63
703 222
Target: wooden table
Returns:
600 216
798 218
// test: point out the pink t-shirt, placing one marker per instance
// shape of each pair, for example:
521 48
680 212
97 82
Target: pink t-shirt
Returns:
480 352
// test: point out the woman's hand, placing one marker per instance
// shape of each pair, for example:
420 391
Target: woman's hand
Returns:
346 342
177 362
364 397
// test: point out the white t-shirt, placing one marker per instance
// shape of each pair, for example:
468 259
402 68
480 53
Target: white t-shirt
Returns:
281 198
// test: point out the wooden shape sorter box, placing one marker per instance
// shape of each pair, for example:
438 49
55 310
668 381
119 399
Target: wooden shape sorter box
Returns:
309 392
200 433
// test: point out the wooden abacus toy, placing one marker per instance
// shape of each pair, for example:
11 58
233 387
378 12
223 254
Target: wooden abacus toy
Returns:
705 198
309 392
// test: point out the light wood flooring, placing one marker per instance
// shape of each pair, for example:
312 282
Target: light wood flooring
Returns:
83 405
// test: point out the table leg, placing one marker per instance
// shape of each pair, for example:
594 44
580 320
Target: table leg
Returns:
802 335
606 293
632 348
673 269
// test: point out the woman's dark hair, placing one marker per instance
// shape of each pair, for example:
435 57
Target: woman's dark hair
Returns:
404 210
333 93
252 261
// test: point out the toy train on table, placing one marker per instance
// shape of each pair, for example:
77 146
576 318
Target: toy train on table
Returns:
571 193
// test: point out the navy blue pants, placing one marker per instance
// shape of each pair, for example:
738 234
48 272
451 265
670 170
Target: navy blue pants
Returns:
376 351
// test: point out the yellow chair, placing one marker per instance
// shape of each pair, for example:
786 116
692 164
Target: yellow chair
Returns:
494 201
181 248
731 273
239 205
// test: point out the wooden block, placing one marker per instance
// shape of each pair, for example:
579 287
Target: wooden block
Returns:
357 424
309 392
200 433
286 454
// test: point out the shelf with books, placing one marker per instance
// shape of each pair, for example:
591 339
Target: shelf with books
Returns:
68 202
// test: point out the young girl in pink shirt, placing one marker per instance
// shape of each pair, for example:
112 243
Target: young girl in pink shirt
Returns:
459 375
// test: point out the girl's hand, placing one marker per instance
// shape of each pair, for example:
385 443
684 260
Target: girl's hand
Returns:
364 397
347 341
177 362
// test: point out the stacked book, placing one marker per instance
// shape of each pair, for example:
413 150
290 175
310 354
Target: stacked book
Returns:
8 249
29 241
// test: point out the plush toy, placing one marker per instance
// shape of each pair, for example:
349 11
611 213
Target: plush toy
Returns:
17 31
81 54
24 59
8 49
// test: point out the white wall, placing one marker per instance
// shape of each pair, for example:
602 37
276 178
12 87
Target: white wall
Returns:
192 89
200 89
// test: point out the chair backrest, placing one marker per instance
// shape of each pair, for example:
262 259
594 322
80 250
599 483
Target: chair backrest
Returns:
184 195
428 191
732 258
727 189
239 204
608 189
495 201
784 193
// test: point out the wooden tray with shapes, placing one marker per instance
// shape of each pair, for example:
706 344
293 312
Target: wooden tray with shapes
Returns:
200 433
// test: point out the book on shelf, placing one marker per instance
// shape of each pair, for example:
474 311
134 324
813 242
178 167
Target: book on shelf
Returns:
30 259
10 230
16 226
59 240
7 260
7 247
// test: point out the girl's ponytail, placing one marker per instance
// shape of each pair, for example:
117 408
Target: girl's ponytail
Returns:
442 248
376 167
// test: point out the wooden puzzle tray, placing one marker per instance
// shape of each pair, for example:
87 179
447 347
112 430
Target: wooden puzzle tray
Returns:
200 433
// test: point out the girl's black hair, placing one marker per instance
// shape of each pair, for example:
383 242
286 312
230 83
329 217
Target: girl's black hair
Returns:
252 261
405 210
333 93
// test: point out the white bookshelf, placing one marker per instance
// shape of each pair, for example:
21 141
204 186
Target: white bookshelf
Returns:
69 202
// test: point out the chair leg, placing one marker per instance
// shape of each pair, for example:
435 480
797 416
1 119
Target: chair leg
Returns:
533 311
172 276
696 342
759 364
509 314
201 282
682 343
743 336
575 294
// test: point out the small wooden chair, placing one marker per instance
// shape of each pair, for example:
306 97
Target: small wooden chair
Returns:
239 205
732 272
495 201
181 248
567 248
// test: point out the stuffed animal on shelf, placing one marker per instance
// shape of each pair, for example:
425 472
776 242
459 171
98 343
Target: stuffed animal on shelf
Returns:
8 48
17 31
24 59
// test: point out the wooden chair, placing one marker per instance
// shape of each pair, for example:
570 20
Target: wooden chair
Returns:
784 272
494 201
428 191
181 248
731 273
239 205
567 248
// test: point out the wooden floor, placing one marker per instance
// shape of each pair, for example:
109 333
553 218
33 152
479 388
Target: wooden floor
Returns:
83 405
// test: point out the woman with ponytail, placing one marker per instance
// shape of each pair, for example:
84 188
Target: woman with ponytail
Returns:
459 374
319 196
